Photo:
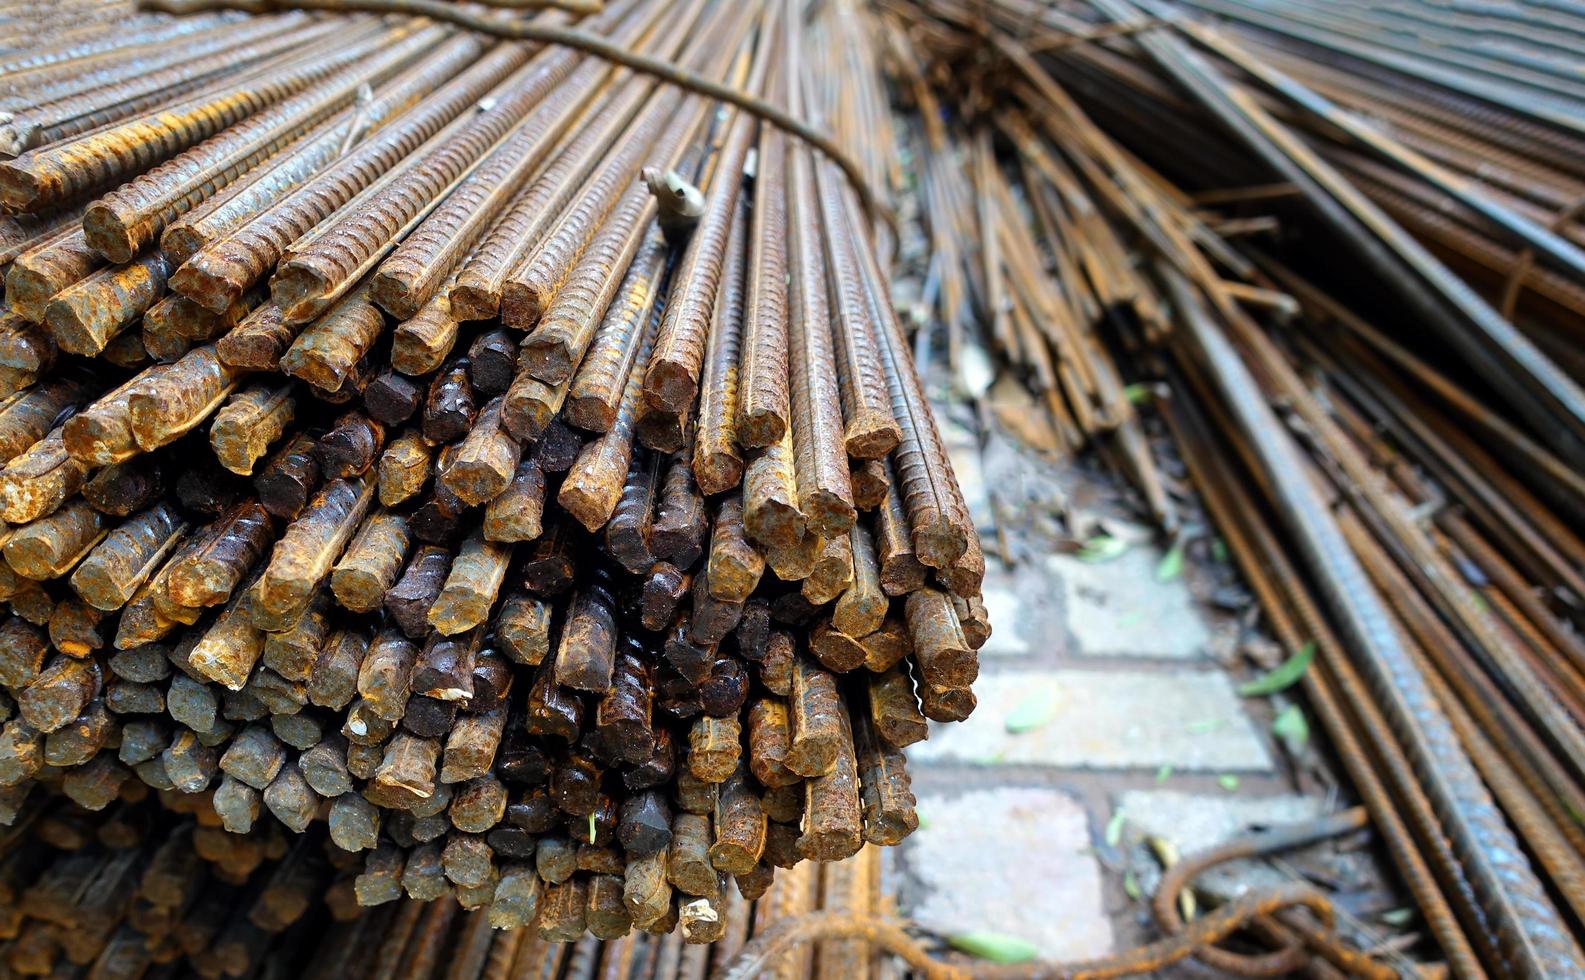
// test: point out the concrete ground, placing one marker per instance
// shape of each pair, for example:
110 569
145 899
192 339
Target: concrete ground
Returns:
1108 714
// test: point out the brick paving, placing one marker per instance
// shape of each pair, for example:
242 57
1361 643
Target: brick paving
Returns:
1126 706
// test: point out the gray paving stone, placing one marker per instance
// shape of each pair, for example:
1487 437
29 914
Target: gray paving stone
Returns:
1104 719
1015 861
1025 619
971 480
1004 609
1196 821
1117 608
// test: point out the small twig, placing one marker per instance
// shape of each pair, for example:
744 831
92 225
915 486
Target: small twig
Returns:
810 927
527 30
888 936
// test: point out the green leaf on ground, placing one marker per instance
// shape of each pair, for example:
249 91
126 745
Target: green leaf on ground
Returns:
994 946
1282 676
1219 551
1139 393
1102 547
1163 774
591 828
1035 711
1228 781
1398 917
1171 565
1131 886
1204 726
1114 829
1293 728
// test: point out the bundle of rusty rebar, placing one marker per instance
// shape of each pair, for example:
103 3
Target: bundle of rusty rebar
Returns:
507 458
142 890
1470 136
1405 511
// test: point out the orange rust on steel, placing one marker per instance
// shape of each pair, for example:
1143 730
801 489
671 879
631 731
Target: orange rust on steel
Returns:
27 417
220 273
1547 546
420 343
22 232
172 401
25 346
592 487
193 323
587 41
52 175
1538 651
130 60
1484 487
1379 768
84 317
558 344
327 261
784 934
476 295
1467 407
259 340
1514 587
531 405
272 181
671 382
186 235
1518 733
1483 716
871 432
37 275
530 288
43 120
1178 877
597 387
937 516
770 501
1435 580
101 433
82 44
764 405
39 480
165 324
327 351
825 492
664 432
717 463
419 266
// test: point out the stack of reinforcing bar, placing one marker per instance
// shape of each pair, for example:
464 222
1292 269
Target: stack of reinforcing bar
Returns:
127 892
506 460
